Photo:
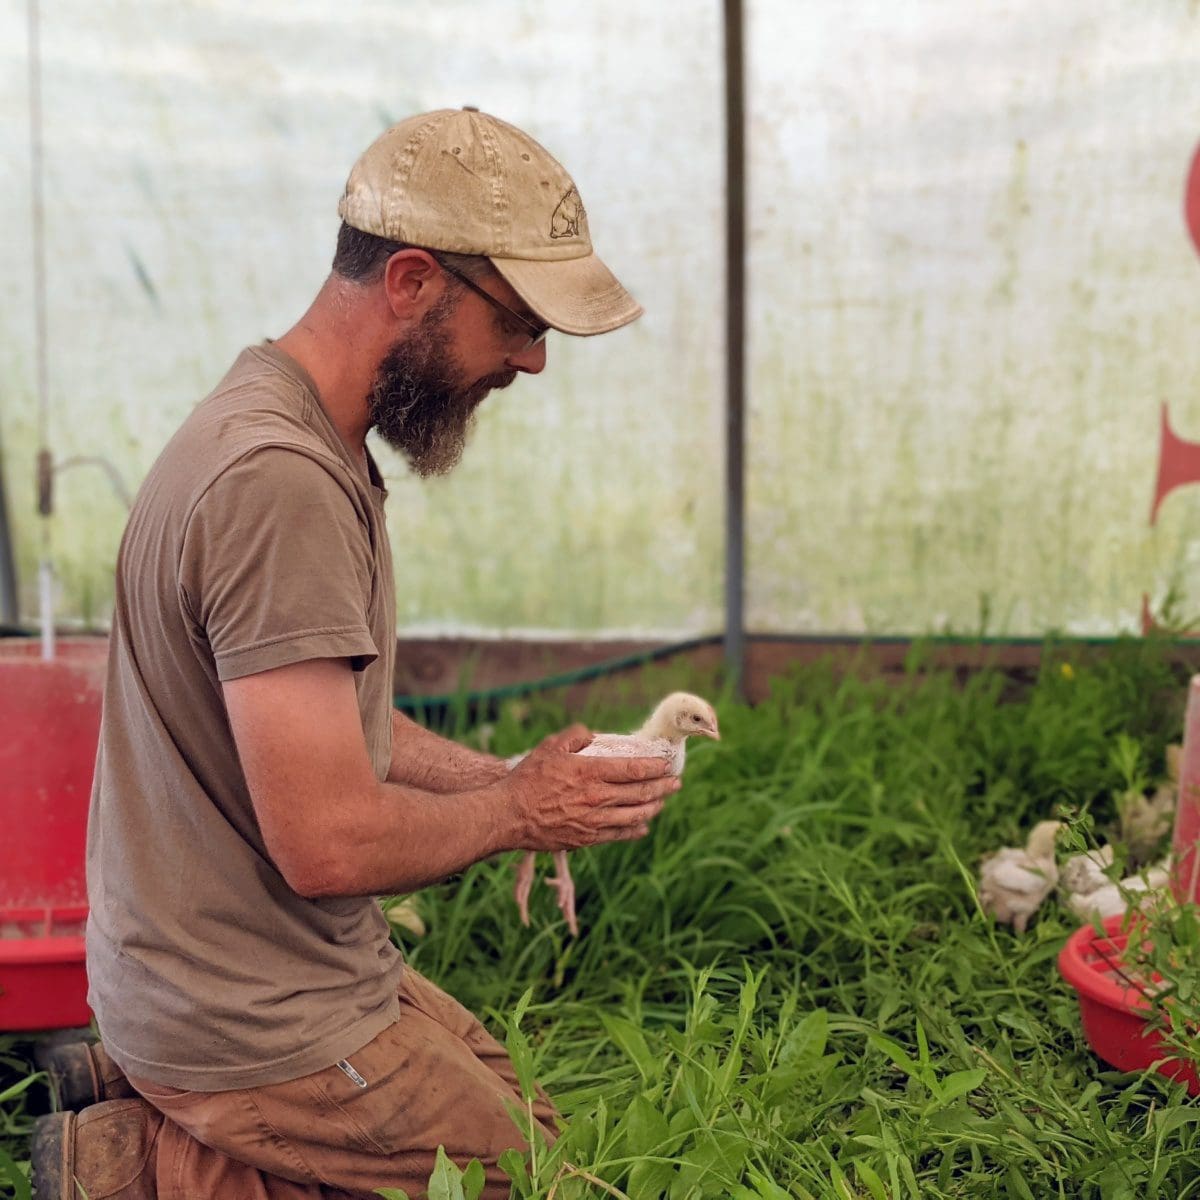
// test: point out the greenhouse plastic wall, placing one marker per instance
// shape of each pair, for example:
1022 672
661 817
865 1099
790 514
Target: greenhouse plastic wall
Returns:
972 286
970 290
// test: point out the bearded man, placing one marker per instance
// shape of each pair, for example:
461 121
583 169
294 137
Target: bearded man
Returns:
261 1036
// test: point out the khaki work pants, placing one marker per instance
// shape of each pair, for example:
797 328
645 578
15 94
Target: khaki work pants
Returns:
434 1077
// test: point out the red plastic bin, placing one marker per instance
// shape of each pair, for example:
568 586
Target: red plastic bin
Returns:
49 729
1113 1008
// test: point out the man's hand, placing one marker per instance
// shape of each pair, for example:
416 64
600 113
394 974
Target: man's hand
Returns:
563 800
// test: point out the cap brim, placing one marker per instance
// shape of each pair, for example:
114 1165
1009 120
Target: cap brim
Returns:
573 295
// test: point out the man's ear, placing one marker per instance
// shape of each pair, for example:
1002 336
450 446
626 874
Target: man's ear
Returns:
412 283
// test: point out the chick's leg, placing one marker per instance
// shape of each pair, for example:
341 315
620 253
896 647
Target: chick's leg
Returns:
524 885
564 885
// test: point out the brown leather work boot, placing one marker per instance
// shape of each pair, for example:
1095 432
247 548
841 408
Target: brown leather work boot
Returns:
81 1073
106 1152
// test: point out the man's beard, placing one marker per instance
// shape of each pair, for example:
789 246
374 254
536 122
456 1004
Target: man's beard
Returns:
419 402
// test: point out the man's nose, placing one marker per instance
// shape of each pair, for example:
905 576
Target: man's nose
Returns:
531 360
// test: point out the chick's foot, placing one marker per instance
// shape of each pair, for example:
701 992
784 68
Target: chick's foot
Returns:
524 885
564 885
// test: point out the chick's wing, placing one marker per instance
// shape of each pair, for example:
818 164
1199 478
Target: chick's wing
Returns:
628 745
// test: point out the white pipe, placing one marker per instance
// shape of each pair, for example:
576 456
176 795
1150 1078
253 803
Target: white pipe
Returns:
46 604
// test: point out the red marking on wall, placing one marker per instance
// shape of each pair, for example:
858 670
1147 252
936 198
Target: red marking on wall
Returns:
1178 463
1191 201
1178 458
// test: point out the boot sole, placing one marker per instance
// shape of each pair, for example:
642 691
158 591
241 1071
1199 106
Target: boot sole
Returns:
52 1157
74 1083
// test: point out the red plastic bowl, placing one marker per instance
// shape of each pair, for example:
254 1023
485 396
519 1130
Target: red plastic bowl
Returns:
49 729
1114 1009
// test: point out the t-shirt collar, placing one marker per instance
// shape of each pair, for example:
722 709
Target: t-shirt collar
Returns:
286 363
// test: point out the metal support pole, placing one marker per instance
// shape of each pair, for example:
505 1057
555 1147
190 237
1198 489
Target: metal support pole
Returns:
735 342
38 215
10 612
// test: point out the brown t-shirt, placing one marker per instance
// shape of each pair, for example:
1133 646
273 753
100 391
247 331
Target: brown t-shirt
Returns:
255 541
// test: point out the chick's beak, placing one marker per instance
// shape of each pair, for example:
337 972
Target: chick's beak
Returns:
711 730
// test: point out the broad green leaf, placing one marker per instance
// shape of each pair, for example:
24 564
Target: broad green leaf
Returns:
646 1127
1018 1022
392 1193
1168 1120
684 1121
902 1164
512 1163
730 1069
517 1045
781 1083
747 999
582 1137
922 1046
895 1052
699 1169
870 1180
474 1180
21 1188
1017 1187
959 1084
807 1041
446 1181
953 1118
650 1178
518 1012
766 1188
840 1182
629 1038
889 1004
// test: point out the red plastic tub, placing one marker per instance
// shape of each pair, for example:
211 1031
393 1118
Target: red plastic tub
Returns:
49 728
1113 1006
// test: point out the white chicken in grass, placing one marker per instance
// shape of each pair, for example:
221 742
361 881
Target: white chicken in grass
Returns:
1014 881
676 718
1084 873
1147 820
1112 899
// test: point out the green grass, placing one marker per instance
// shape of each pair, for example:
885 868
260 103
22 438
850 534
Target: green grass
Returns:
788 989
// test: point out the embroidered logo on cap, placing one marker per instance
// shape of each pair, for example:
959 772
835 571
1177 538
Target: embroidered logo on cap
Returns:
568 216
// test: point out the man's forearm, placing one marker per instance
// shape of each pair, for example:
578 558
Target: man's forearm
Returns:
435 764
399 839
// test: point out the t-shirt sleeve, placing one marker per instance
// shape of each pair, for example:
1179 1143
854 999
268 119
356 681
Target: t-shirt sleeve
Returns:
276 565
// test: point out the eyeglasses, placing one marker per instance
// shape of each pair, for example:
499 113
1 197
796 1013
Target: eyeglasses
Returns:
536 332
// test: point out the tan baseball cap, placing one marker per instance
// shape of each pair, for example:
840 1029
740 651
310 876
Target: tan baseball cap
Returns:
466 182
